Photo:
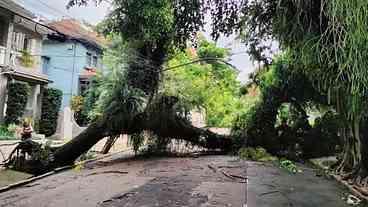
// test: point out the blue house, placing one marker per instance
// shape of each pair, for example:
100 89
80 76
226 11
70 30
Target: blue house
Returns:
71 57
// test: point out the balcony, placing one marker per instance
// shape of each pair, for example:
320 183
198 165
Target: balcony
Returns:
23 69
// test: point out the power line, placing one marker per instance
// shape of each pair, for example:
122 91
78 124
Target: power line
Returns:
200 60
49 7
63 14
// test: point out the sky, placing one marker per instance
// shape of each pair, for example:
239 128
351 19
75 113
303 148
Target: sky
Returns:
56 9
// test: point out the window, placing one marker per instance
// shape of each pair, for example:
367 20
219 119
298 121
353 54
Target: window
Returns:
20 42
95 61
83 85
89 59
45 64
3 30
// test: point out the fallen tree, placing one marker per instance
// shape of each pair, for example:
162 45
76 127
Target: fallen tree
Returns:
151 29
159 117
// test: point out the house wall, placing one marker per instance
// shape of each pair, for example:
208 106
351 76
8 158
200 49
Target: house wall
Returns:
67 61
10 58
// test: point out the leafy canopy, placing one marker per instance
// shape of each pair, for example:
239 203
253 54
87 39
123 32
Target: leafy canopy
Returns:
210 87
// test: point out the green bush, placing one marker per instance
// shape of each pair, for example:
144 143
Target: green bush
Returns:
255 154
289 166
51 103
17 100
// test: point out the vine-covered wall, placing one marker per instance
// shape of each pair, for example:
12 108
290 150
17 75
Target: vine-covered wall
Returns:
17 100
51 103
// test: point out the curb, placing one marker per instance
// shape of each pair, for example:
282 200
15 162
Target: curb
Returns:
24 182
338 179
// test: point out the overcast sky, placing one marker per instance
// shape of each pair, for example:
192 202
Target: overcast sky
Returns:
55 9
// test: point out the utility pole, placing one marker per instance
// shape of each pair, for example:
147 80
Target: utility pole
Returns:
73 71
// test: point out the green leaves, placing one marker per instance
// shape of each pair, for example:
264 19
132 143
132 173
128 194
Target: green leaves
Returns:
210 87
327 40
16 103
51 102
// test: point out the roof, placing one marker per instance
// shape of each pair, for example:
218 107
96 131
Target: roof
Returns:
26 76
73 29
16 8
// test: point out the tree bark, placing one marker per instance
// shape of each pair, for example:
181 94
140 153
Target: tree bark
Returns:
79 145
109 143
164 122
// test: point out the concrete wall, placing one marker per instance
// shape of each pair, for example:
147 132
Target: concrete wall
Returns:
3 84
67 62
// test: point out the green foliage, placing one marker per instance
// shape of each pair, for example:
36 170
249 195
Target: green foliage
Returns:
121 106
43 154
51 103
278 85
289 166
323 39
17 100
255 154
27 59
137 140
77 103
211 87
5 134
175 21
79 109
100 90
90 107
157 145
87 156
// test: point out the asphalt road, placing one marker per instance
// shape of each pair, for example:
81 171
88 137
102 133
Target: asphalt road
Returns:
271 186
121 180
128 182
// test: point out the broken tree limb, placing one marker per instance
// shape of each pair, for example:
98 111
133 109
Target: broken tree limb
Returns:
107 172
212 168
270 192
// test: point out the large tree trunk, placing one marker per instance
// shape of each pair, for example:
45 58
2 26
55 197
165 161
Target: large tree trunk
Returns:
109 143
79 145
351 150
163 121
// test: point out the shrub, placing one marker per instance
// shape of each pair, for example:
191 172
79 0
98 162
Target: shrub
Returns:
137 140
255 154
80 115
17 99
26 59
51 103
4 132
289 166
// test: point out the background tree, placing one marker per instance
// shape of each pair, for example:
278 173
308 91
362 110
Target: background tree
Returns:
325 39
211 86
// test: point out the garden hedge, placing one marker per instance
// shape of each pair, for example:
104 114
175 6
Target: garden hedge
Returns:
17 100
51 103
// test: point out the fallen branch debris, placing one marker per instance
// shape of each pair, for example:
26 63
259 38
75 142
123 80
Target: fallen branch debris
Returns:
107 172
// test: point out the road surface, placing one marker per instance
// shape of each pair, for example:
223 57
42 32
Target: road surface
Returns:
206 181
